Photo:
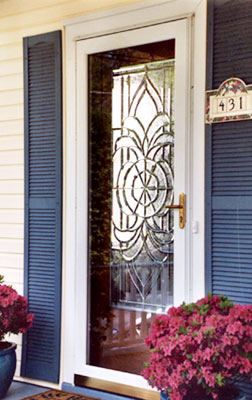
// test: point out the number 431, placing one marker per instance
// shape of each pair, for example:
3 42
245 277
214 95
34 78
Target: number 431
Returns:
231 104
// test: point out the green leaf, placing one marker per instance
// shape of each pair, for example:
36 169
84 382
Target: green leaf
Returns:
195 323
219 379
215 356
204 309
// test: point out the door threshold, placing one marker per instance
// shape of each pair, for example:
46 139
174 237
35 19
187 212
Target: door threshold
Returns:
112 390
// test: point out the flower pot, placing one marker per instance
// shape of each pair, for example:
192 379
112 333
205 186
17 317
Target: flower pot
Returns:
7 368
163 396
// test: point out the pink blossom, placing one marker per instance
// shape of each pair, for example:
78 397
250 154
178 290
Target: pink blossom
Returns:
199 344
14 317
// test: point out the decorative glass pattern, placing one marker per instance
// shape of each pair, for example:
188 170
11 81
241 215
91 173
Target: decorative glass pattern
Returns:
143 163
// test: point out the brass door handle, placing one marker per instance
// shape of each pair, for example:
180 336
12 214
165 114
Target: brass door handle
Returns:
182 209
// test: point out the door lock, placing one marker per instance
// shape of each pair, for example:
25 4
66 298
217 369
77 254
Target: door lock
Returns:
182 209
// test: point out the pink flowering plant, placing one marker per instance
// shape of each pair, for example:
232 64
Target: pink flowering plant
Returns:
14 317
199 350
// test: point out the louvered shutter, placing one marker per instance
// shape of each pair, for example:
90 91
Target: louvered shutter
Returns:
229 157
43 204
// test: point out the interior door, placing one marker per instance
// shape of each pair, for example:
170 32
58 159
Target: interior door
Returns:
132 261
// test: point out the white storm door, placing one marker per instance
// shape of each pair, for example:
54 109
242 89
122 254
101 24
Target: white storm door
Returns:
132 141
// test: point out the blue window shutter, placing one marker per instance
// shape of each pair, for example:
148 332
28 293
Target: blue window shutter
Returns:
43 204
229 158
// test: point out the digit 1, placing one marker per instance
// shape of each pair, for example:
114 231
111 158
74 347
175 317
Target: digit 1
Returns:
240 103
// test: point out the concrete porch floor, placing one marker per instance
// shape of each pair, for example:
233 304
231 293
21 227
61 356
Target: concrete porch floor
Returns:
19 390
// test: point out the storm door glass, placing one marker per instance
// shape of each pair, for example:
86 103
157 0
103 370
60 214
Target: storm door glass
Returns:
131 172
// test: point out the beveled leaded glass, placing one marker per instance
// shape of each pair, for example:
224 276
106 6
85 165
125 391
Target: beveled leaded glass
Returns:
143 163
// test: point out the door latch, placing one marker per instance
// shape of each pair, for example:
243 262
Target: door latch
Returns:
182 209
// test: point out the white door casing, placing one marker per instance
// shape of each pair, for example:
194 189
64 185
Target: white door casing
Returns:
75 260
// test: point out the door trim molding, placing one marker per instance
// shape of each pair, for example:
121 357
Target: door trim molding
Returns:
140 12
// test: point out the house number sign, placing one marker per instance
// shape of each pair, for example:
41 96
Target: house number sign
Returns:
232 101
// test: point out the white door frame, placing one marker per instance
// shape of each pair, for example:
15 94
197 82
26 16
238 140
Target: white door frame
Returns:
75 233
178 30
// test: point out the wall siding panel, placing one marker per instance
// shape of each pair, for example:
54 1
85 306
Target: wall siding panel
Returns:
15 231
14 142
9 246
10 97
12 66
16 35
11 127
11 51
47 14
15 264
12 157
12 111
9 201
11 7
11 187
12 216
11 172
10 82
